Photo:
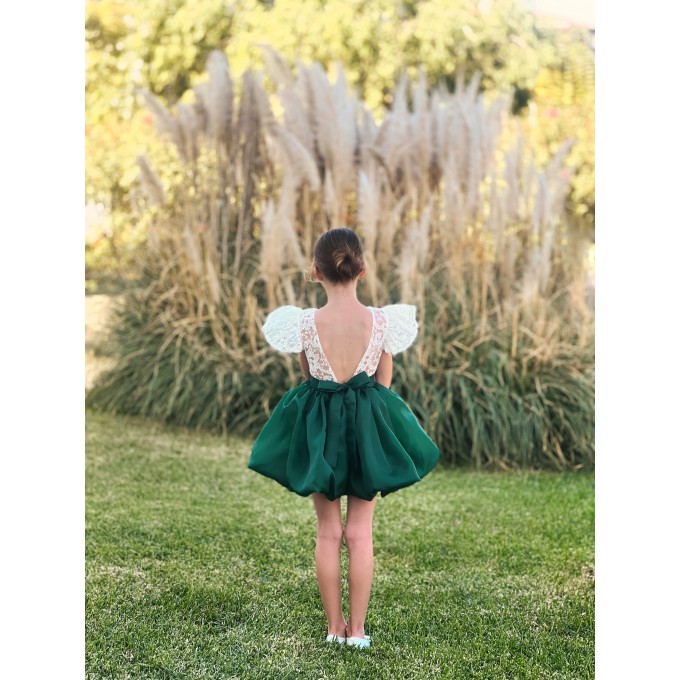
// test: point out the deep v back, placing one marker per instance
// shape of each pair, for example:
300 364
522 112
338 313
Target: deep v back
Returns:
325 356
320 366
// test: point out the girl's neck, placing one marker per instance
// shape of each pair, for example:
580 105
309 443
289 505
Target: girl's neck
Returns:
341 296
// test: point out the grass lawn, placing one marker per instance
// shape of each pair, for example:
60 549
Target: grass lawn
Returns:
200 568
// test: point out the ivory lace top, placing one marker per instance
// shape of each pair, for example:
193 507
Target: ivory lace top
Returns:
292 329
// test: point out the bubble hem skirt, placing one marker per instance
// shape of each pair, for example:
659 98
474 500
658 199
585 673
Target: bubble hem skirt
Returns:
356 438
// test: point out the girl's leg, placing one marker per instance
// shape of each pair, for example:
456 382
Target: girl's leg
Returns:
359 540
327 555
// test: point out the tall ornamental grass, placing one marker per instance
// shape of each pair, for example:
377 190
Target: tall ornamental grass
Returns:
454 215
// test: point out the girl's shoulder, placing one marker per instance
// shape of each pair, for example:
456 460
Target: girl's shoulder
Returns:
402 326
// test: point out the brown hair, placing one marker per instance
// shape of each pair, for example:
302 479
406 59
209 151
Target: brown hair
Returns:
338 255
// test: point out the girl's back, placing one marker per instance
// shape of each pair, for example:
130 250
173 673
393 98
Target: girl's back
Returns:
344 333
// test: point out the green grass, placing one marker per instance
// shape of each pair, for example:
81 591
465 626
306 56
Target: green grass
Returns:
200 568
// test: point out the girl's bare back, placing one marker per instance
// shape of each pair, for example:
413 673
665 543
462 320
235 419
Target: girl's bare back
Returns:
344 334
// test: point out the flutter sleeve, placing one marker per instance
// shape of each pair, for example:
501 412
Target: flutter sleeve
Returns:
402 327
282 328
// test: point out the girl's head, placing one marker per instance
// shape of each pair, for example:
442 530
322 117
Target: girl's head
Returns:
338 258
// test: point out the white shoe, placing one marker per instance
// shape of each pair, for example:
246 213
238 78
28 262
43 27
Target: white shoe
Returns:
360 642
335 638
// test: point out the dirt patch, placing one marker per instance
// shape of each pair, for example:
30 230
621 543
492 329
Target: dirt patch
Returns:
97 316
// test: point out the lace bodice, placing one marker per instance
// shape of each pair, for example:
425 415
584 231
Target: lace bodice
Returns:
292 329
320 367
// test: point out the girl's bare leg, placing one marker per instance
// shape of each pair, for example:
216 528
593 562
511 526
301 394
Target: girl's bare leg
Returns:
359 539
327 556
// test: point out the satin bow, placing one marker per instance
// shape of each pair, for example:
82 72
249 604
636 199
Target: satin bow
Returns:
343 395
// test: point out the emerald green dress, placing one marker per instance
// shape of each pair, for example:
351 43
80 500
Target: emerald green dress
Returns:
354 438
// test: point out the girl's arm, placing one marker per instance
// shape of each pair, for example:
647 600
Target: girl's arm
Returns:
383 374
304 365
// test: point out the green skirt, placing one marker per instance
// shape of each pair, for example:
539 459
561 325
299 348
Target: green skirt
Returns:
356 438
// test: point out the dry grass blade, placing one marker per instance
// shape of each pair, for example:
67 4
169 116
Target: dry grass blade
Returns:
165 121
220 95
152 184
300 163
277 66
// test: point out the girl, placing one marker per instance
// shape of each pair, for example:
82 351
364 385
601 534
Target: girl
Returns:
343 431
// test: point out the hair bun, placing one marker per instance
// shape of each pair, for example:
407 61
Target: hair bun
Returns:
338 255
341 254
345 261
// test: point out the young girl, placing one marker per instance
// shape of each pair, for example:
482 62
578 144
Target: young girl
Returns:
343 431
